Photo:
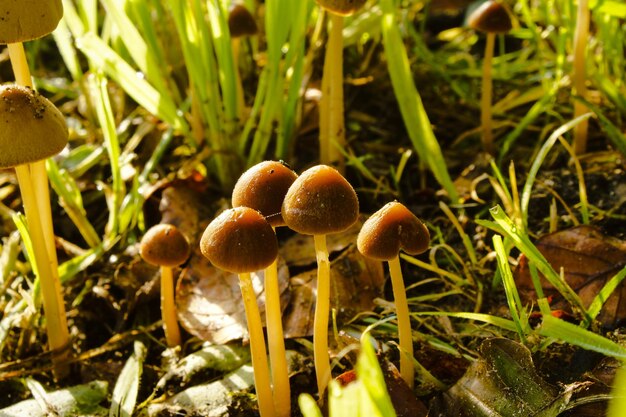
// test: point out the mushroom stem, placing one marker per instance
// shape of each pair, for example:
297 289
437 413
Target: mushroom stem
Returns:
19 64
257 347
168 307
333 139
276 342
322 308
580 48
404 322
54 309
486 93
235 45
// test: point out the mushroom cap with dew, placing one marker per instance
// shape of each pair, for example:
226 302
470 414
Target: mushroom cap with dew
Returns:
31 127
164 245
241 22
25 20
391 229
239 240
263 188
320 201
342 7
490 17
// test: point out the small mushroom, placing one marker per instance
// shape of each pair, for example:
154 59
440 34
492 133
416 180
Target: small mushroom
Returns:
492 18
241 23
31 130
383 235
263 188
332 125
241 241
25 20
320 202
165 246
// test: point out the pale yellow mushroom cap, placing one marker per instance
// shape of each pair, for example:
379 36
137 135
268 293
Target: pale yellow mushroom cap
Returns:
25 20
31 127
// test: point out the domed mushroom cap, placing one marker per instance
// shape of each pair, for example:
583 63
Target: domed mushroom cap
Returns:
241 22
391 229
31 127
25 20
342 7
263 188
320 201
164 245
491 17
239 240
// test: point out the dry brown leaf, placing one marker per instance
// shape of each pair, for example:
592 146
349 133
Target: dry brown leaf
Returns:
588 259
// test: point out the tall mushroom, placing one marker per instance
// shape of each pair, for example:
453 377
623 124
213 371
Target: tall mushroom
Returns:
491 18
241 241
23 21
31 130
263 188
383 235
332 129
320 202
165 246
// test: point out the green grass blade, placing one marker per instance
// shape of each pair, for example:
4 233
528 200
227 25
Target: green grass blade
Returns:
308 406
604 294
107 60
577 336
371 376
411 106
124 395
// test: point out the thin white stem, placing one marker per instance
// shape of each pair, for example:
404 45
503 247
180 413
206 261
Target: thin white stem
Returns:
404 322
168 308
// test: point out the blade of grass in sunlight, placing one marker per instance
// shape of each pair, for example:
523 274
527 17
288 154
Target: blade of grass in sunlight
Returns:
483 318
308 406
578 336
371 376
617 405
100 97
538 160
411 106
72 201
516 308
524 244
604 294
104 58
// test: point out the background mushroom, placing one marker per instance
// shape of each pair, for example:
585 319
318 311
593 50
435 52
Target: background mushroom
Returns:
263 188
241 241
165 246
318 203
383 235
491 18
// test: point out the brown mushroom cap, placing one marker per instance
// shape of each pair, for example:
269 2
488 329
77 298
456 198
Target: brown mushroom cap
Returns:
320 201
239 240
391 229
241 22
263 188
342 7
25 20
490 17
164 245
31 127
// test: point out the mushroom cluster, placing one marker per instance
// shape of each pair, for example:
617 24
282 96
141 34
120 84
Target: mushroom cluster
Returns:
32 131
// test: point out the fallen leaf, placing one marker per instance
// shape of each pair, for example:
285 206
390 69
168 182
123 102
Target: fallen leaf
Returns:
588 259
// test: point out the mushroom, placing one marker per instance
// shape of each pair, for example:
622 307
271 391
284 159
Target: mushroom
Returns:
25 20
492 18
165 246
241 241
31 130
332 129
320 202
383 235
240 23
263 188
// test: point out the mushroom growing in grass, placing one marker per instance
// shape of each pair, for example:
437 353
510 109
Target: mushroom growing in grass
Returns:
263 188
165 246
332 129
31 130
383 235
491 18
240 23
320 202
241 241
